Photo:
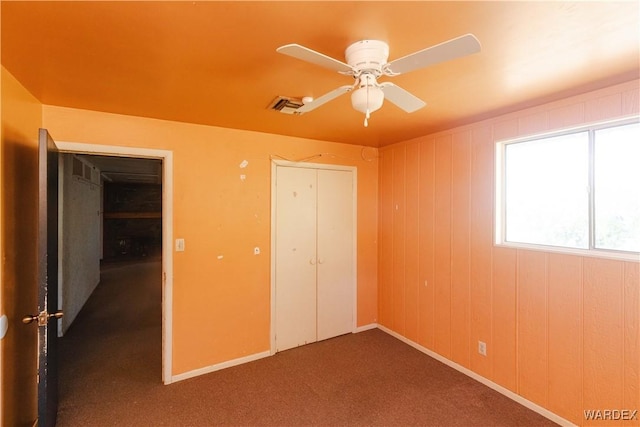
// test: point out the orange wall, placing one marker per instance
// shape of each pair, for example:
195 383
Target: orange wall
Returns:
562 331
21 118
222 307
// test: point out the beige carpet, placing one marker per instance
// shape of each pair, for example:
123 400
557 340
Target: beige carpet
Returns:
111 376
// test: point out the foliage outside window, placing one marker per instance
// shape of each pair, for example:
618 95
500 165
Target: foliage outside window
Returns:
577 190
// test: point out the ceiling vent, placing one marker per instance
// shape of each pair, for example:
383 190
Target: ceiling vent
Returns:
286 105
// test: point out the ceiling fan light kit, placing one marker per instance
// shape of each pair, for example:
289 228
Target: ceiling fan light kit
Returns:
367 98
367 61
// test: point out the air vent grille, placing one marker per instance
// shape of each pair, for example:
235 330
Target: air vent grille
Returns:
285 105
84 171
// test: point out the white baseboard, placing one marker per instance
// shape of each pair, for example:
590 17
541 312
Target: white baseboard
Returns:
219 366
365 328
504 391
241 360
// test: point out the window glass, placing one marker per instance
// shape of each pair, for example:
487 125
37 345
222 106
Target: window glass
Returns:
617 188
546 191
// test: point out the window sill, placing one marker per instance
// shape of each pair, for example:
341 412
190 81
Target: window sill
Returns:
593 253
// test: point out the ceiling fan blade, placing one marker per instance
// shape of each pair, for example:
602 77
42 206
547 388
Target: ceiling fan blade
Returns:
310 106
317 58
401 97
445 51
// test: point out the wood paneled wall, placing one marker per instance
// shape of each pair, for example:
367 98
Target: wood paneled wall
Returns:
561 330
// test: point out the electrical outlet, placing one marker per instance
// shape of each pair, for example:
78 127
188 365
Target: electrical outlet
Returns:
482 348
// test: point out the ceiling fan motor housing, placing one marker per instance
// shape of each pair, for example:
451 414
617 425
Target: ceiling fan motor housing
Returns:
367 55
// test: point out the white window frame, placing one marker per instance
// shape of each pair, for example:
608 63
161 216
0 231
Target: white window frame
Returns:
500 191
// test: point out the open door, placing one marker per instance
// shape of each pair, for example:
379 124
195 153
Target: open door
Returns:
47 274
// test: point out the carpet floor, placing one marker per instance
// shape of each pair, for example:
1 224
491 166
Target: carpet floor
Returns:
110 375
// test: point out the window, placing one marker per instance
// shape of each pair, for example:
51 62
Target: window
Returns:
617 188
576 190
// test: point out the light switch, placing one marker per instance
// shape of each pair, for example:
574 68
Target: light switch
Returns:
179 245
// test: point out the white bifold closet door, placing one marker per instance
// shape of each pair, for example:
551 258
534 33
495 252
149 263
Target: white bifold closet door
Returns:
314 249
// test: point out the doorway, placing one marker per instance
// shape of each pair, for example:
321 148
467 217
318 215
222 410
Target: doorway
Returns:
166 264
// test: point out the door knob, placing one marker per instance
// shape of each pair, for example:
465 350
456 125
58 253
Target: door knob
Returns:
312 261
42 318
29 318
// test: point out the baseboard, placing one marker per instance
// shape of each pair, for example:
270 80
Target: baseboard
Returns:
241 360
219 366
504 391
365 328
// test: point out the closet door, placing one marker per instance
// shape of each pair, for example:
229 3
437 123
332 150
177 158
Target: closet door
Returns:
295 252
336 272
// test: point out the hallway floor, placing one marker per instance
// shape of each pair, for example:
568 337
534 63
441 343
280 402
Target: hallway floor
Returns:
113 350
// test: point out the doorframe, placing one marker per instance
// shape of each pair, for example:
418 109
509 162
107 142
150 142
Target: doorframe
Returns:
325 166
167 230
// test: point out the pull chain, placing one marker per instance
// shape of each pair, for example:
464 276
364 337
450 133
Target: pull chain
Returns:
367 115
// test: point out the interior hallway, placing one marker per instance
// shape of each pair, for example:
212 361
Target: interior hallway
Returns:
110 375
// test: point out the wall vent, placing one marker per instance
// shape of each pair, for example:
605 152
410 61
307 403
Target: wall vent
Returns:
84 171
78 167
283 104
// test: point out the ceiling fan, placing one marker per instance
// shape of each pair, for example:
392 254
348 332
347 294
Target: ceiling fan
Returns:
367 60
